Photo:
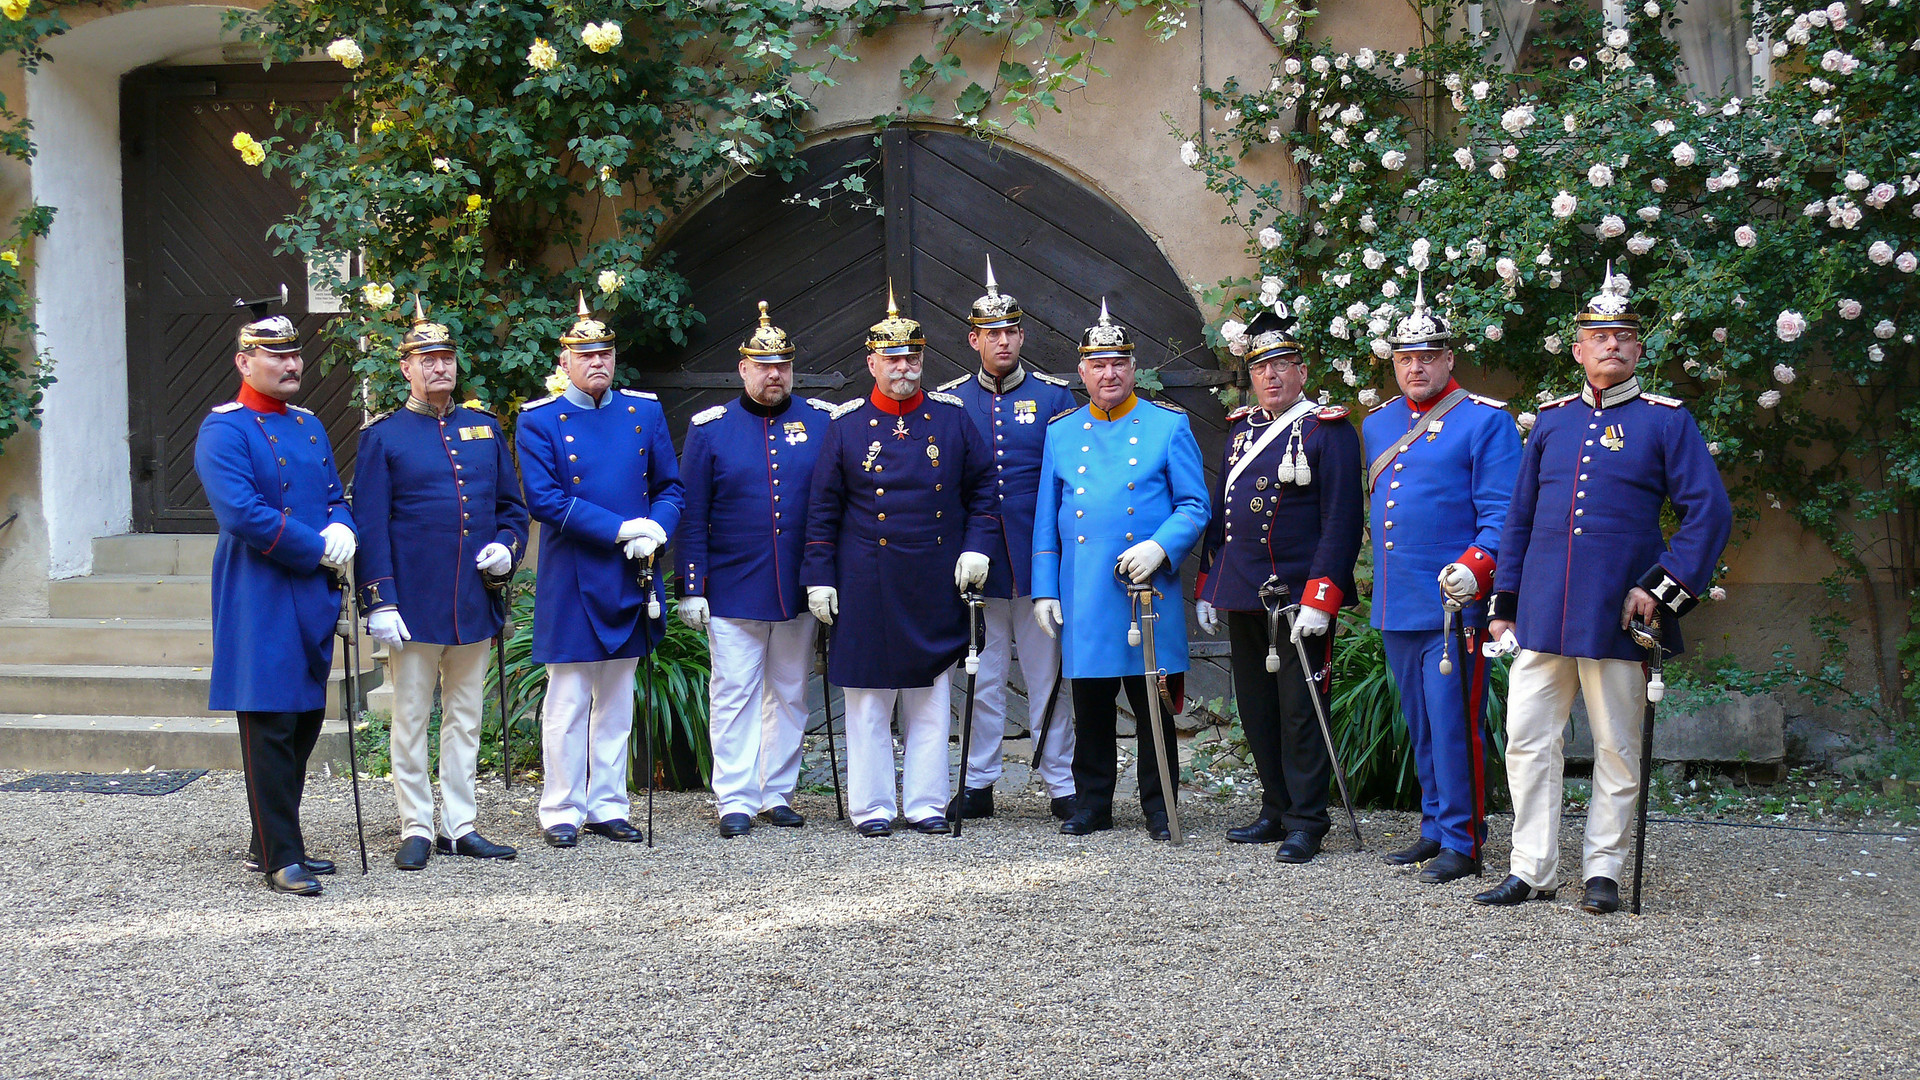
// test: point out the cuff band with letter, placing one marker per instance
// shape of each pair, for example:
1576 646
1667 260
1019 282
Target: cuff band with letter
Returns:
1505 607
1667 589
1322 595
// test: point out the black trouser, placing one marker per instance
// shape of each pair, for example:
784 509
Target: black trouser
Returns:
1277 716
1096 708
274 747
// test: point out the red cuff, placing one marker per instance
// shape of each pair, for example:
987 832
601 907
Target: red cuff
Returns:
1322 595
1481 564
1200 585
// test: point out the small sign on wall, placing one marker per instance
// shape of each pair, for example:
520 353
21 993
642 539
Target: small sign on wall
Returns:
321 299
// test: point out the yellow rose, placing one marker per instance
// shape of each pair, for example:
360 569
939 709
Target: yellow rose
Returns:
10 258
542 56
251 151
377 127
473 203
15 9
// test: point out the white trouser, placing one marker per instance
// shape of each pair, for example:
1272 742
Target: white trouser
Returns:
584 724
460 671
1011 625
1540 692
926 715
759 709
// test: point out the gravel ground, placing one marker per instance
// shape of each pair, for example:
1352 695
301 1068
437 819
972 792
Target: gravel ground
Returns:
136 947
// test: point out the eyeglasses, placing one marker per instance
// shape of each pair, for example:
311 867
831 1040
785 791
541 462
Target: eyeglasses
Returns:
1277 365
1407 360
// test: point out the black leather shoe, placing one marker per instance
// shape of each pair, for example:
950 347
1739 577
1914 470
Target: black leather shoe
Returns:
732 825
876 827
561 835
972 803
783 817
414 853
313 865
933 826
1264 830
1062 807
1512 891
1158 828
617 830
1300 846
295 879
1449 866
473 846
1084 822
1602 896
1422 850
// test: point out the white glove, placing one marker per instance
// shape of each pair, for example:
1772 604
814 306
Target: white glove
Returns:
1494 650
824 602
1046 612
1310 621
494 559
970 572
1209 618
340 546
1141 560
693 612
1458 582
633 527
641 547
387 625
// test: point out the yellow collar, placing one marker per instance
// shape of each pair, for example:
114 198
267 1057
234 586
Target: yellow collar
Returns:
1118 411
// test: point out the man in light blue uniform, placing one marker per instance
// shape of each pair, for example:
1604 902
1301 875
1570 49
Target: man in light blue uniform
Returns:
285 536
747 466
600 474
1012 404
1443 468
1121 487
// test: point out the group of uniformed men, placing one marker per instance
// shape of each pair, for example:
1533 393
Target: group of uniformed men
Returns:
873 518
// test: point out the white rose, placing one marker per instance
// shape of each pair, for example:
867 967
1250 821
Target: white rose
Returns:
1837 15
1292 66
1507 269
1479 90
1545 258
1640 243
1374 260
1393 159
1231 329
377 295
1600 175
1876 354
1648 214
1564 204
1569 123
1784 374
1301 305
1883 329
1517 119
1390 288
1850 309
611 282
1879 253
1714 449
1494 333
1769 399
1658 184
1779 50
1731 108
1381 349
1683 155
1617 37
1855 180
441 164
1369 398
1320 65
1552 344
1880 196
1476 248
1612 226
1745 236
1753 46
1368 225
1497 170
1719 334
1578 63
1338 328
1790 325
1663 127
1189 154
1269 238
1364 59
1906 262
347 52
1463 157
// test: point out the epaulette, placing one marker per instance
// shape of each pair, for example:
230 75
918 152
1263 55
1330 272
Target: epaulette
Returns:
1661 399
1063 412
228 407
1326 414
846 407
946 399
1390 401
1239 414
823 406
1492 403
648 394
376 418
953 383
1045 378
548 400
482 410
1167 405
707 416
297 408
1559 401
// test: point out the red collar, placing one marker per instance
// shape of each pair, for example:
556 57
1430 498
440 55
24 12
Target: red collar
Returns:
259 402
1423 406
896 408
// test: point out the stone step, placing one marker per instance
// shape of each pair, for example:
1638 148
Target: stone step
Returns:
108 744
147 596
154 553
144 642
126 690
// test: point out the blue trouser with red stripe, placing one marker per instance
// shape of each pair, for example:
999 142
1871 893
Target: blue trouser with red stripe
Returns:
1448 754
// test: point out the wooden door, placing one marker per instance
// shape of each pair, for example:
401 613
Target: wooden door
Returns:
196 220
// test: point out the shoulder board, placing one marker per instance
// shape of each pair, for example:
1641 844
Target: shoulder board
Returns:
1329 413
1045 378
846 407
376 418
548 400
1661 399
1063 412
947 399
648 394
1492 403
482 410
1559 401
1167 405
823 406
950 384
1240 413
708 416
296 408
1390 401
228 407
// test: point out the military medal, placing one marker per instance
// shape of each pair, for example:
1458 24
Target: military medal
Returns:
1260 484
1614 438
1433 429
1025 412
796 432
872 453
1257 504
933 453
900 427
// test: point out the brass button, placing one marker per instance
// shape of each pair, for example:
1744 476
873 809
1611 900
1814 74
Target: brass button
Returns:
1129 536
879 491
880 517
576 479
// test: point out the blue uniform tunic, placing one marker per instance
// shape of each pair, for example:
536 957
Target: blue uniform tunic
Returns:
587 467
900 490
1109 480
1584 527
271 479
748 472
429 493
1012 414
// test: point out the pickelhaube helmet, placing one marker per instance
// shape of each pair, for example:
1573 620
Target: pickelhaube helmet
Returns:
895 335
1270 336
269 333
1422 329
1105 338
768 344
1609 308
425 336
587 334
996 309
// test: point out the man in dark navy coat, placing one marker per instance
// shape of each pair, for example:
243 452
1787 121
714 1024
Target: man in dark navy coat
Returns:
285 533
900 519
1011 405
599 472
1582 553
440 515
1287 503
747 466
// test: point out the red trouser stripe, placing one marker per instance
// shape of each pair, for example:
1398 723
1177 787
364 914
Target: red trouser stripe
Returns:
1476 744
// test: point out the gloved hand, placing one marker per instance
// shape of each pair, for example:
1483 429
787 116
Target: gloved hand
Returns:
1310 621
824 602
1504 642
635 527
1141 560
494 560
970 572
1209 618
340 546
641 547
387 625
693 612
1458 582
1046 612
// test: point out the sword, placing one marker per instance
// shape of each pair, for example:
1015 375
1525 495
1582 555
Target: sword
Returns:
1274 594
1046 718
1647 636
643 576
826 702
504 588
348 627
1453 622
976 604
1140 632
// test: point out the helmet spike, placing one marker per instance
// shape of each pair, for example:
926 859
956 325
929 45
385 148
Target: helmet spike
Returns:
584 309
1105 319
419 311
764 319
993 287
893 308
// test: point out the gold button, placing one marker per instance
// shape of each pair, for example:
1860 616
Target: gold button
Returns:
879 491
576 479
563 418
1135 439
1129 536
939 513
1129 485
883 541
881 517
1129 509
1579 494
629 408
873 423
936 487
1084 449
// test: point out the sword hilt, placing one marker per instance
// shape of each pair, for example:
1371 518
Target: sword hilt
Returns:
1448 610
975 603
1647 635
1273 594
643 577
